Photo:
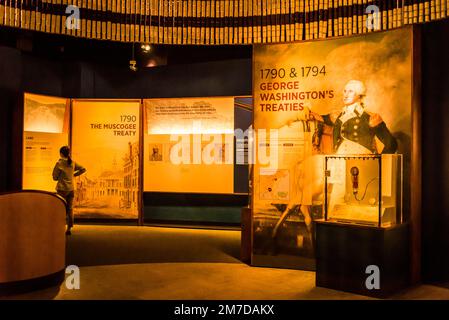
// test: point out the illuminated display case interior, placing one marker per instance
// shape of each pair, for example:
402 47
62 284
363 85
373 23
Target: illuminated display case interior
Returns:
364 189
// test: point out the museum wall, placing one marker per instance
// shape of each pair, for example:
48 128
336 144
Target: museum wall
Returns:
223 78
435 151
10 69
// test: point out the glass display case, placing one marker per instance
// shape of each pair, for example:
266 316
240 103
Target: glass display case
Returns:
363 189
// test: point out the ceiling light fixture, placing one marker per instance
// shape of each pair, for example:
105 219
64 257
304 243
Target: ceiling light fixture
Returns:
145 47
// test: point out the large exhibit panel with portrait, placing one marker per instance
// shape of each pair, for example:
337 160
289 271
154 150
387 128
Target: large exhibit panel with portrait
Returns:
46 130
105 141
344 96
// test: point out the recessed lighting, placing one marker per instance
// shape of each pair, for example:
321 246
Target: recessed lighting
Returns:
145 47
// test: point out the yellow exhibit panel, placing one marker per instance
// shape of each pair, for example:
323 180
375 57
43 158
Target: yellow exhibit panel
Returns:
105 140
189 145
46 130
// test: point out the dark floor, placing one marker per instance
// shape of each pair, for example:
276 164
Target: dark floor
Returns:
128 262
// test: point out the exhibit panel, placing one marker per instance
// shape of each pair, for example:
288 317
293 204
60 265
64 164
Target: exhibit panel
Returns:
46 130
206 181
189 145
105 141
346 96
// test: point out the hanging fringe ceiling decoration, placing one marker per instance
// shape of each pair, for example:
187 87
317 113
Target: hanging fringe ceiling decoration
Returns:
206 22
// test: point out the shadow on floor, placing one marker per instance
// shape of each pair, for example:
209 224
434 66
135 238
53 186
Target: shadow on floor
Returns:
44 294
111 245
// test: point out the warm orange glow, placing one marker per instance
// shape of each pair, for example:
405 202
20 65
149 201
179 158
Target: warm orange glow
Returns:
40 153
44 114
105 140
190 115
188 145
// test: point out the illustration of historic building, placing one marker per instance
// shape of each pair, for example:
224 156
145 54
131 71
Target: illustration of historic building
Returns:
86 190
130 198
116 189
106 190
110 187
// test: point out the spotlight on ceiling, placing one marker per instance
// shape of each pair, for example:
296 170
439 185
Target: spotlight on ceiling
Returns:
146 47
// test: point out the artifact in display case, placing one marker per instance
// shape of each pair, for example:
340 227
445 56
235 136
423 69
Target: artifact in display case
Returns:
363 189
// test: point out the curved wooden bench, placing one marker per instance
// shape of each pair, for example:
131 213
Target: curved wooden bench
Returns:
32 240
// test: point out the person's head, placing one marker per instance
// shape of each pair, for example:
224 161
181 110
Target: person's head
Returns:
65 153
155 150
354 92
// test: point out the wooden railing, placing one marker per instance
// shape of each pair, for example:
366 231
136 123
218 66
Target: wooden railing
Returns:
32 236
